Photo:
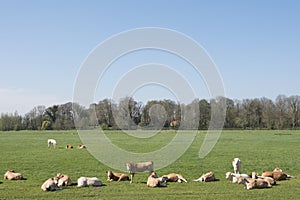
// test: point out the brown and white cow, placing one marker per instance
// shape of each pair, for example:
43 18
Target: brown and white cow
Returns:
113 176
208 177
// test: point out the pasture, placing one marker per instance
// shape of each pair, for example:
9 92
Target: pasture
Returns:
27 153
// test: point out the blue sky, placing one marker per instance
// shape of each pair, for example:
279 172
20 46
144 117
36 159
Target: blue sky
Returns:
255 45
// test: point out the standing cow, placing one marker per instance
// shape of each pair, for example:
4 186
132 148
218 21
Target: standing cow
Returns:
139 167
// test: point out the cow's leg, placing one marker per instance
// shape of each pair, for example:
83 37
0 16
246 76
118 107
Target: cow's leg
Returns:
131 177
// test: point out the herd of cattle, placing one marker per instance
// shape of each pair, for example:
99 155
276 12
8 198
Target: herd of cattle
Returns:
266 180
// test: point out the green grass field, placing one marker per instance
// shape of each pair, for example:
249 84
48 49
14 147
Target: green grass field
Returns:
27 152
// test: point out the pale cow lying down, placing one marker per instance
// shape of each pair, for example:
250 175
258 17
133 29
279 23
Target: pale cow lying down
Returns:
208 177
236 163
250 183
62 180
12 175
69 146
139 167
51 142
174 178
113 176
87 181
233 177
155 181
81 146
50 185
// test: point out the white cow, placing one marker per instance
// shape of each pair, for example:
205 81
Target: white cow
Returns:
87 181
52 142
236 163
139 167
233 177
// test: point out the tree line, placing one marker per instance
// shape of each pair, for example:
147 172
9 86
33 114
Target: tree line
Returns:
257 113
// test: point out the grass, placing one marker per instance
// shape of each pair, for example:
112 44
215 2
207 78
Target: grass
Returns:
27 152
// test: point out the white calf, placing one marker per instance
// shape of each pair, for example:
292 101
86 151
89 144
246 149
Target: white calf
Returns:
139 167
51 142
236 163
50 185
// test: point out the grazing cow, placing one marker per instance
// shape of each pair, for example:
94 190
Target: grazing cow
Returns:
50 185
139 167
12 175
69 146
62 180
233 177
52 142
250 183
87 181
113 176
155 181
81 146
236 163
175 178
208 177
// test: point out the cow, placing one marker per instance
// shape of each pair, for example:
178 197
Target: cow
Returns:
276 175
208 177
250 183
81 146
62 180
12 175
172 177
139 167
87 181
236 163
69 146
155 181
233 177
113 176
50 185
52 142
268 179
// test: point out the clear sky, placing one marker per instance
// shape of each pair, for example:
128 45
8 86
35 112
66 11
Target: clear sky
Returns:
255 44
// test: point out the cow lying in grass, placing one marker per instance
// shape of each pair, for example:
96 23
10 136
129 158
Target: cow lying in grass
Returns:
233 177
87 181
278 176
208 177
81 146
12 175
62 180
52 142
50 185
250 183
174 178
69 146
113 176
155 181
268 179
139 167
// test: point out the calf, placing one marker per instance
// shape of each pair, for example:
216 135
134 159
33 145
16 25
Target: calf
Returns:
233 177
139 167
87 181
174 178
154 181
12 175
62 180
112 176
52 142
208 177
50 185
250 183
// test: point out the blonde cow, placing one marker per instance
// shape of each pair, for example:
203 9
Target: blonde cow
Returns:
12 175
113 176
139 167
208 177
